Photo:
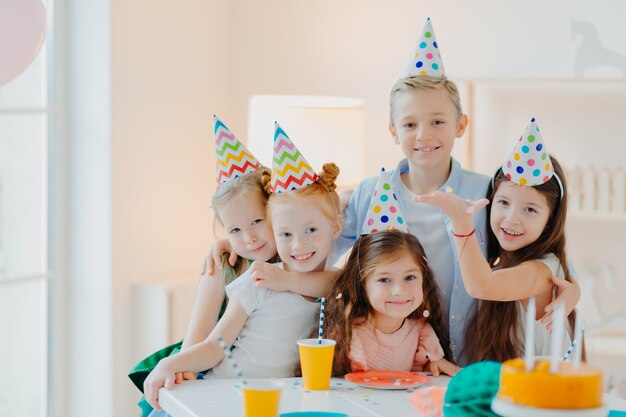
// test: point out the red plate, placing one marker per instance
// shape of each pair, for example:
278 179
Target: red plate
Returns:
386 379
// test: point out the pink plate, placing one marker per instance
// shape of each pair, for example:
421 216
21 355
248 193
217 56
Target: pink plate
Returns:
386 379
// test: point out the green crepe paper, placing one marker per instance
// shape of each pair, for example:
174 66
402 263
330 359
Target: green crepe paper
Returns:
471 391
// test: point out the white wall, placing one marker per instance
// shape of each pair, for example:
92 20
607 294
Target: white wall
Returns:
170 67
145 78
359 47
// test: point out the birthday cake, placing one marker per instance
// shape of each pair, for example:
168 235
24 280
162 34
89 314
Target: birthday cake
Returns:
567 389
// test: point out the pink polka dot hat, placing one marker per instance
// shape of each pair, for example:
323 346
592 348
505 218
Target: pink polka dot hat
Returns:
529 164
426 59
384 212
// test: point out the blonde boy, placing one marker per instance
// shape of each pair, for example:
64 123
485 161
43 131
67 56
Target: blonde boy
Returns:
425 121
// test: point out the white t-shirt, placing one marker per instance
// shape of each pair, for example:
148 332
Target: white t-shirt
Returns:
542 336
267 344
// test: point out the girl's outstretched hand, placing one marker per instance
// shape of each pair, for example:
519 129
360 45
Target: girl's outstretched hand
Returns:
267 275
567 292
213 260
454 206
443 366
161 376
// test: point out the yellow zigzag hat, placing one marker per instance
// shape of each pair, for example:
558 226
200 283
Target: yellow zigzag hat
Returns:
290 171
233 158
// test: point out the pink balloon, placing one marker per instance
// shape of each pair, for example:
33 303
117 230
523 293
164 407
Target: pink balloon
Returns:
22 32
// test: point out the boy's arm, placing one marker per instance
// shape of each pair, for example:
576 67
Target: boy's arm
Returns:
310 284
201 356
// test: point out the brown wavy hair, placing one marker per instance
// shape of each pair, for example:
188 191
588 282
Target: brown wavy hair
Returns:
347 301
492 333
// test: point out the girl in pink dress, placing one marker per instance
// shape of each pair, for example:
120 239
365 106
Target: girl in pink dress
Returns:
384 309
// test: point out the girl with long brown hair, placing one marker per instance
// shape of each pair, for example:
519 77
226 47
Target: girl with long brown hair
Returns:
526 249
384 309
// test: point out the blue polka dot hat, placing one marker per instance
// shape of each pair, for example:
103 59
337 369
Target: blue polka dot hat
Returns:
384 212
426 59
529 164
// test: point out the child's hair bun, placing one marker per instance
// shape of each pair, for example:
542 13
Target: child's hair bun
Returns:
266 179
328 176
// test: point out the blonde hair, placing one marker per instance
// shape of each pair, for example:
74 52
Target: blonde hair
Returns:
425 82
251 183
324 188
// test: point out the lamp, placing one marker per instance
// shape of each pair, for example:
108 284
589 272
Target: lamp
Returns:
325 129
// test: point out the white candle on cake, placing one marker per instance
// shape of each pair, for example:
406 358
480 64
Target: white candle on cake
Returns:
578 340
529 341
556 342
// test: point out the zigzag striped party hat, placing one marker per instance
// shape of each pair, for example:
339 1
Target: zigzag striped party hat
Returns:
384 211
233 158
426 59
290 171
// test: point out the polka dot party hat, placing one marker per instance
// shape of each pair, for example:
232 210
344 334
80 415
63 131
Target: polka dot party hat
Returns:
290 171
384 211
529 164
233 158
426 59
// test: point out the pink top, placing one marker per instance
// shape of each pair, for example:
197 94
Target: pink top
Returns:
404 350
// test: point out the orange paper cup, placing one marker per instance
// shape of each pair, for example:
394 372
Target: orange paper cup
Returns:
316 361
261 397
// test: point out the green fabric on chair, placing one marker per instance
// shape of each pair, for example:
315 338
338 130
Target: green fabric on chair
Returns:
139 373
471 391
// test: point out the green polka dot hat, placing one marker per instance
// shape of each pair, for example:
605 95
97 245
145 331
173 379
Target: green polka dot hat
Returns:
529 164
426 59
384 211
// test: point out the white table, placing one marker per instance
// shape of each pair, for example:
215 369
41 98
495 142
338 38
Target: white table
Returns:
208 398
224 398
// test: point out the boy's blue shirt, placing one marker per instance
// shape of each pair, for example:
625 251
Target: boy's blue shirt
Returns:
467 185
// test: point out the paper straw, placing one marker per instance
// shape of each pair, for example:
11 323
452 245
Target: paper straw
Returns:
529 341
571 346
558 327
229 356
320 334
578 338
569 351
